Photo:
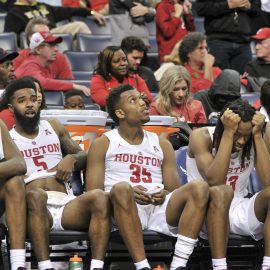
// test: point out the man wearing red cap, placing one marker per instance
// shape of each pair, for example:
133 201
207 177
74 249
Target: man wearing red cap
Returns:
259 69
44 49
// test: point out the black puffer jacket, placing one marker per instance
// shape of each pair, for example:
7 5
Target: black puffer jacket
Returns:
227 84
221 22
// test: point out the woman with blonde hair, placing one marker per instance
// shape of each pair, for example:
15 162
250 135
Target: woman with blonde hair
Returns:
175 99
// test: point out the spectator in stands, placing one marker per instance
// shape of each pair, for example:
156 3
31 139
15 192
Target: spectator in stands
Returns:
173 21
74 100
24 10
175 99
111 71
128 162
50 200
7 115
193 53
129 18
259 69
227 25
228 156
225 88
169 60
135 49
101 6
60 67
6 68
44 48
263 104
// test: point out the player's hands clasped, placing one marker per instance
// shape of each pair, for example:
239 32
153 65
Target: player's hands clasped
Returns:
258 121
141 196
230 120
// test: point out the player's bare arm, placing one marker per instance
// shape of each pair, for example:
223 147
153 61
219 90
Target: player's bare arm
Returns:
262 155
214 168
95 171
13 163
169 171
75 157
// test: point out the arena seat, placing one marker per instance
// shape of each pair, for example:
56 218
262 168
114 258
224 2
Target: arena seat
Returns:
82 75
153 45
250 97
199 24
54 99
8 41
181 155
2 21
151 26
92 43
82 61
93 25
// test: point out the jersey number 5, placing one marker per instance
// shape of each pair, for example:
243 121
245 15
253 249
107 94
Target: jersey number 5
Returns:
39 163
139 174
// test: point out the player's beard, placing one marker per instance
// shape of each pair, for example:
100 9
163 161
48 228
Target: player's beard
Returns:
28 123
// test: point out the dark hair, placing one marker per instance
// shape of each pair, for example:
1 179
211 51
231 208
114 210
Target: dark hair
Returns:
43 102
72 93
105 60
265 96
18 84
246 113
30 25
189 44
131 43
113 99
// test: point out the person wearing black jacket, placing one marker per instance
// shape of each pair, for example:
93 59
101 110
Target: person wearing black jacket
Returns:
228 30
225 88
135 49
24 10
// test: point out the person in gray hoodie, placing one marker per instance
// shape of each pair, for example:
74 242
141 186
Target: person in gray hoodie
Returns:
225 88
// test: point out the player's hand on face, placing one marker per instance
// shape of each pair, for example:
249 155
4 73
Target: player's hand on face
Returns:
158 198
65 168
258 121
230 120
141 197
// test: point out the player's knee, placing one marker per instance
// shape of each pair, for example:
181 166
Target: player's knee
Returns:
36 201
121 193
221 197
100 202
15 187
200 191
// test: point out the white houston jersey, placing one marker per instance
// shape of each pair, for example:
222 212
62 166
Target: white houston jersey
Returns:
237 176
41 153
135 164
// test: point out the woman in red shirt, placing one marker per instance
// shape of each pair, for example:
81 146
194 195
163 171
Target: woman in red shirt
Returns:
112 70
193 53
174 97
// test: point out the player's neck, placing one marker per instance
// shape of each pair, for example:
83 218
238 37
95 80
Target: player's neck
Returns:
27 132
132 135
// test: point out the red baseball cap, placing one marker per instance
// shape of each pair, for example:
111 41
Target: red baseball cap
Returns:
43 37
262 33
